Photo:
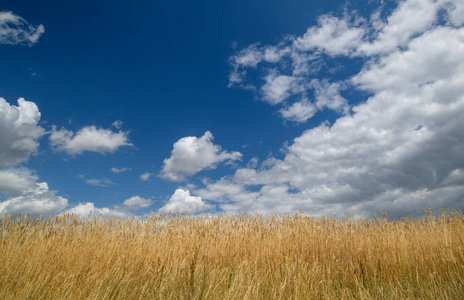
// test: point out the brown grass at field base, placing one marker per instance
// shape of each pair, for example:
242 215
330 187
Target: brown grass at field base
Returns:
233 257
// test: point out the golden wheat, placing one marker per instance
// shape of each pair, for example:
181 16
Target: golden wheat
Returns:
233 257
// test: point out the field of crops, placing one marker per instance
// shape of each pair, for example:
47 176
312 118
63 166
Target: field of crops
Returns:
233 257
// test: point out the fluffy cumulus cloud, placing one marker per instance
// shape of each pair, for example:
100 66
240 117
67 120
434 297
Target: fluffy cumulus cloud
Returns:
15 30
332 35
300 65
13 181
88 209
137 202
183 203
191 155
127 209
25 195
299 111
410 18
278 87
327 95
21 193
20 189
36 200
89 138
400 151
19 131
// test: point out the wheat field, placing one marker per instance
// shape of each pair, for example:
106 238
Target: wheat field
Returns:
233 257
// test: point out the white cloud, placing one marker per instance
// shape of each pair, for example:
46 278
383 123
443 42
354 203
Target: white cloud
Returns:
15 30
104 182
89 139
273 54
253 163
145 176
89 209
20 191
332 35
455 10
299 111
191 155
118 124
224 190
14 181
307 64
182 202
19 132
399 152
248 57
119 170
435 56
137 202
36 199
299 60
328 95
278 87
410 18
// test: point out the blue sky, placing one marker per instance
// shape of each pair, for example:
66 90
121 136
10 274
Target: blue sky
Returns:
240 106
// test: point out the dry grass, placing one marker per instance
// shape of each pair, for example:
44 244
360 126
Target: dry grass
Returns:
227 257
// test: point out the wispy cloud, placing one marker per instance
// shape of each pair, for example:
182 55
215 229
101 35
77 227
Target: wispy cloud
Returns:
145 176
103 182
119 170
118 124
14 30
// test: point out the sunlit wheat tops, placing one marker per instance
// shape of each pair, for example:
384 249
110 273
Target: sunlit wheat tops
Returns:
233 257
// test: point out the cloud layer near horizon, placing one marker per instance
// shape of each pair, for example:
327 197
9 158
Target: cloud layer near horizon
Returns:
19 135
21 191
398 149
181 202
